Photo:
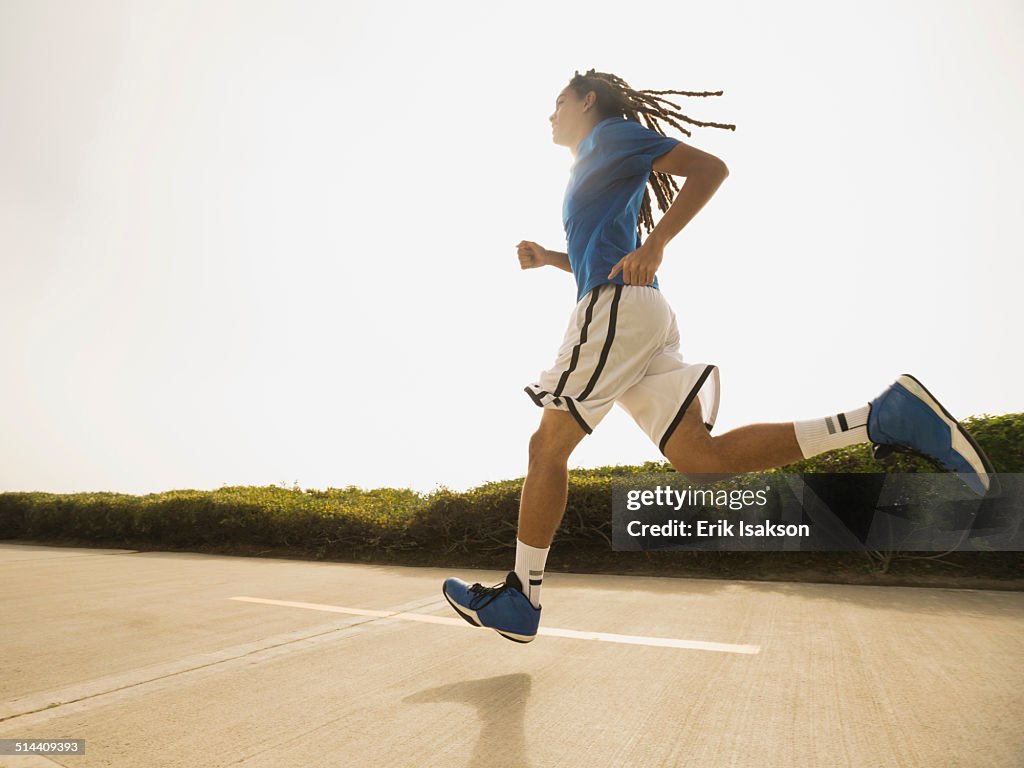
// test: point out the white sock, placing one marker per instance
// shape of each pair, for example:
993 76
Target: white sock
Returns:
838 431
530 569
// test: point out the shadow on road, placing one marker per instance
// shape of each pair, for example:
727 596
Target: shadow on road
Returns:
500 703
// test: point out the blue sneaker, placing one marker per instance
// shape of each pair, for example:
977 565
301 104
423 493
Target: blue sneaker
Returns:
504 608
907 418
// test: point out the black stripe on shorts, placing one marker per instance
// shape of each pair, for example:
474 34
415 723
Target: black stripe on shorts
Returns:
536 398
607 344
583 340
576 415
683 407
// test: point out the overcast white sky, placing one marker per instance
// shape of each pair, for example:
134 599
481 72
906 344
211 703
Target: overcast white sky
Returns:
254 242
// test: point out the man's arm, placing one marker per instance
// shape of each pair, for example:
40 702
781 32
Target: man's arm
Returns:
557 259
532 255
704 175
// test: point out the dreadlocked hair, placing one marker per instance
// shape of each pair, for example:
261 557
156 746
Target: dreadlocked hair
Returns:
616 99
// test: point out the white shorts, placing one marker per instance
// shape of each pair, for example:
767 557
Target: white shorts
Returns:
622 346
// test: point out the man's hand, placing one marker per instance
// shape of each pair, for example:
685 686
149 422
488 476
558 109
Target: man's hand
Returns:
531 255
639 266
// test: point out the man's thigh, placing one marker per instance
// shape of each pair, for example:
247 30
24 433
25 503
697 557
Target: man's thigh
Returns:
689 448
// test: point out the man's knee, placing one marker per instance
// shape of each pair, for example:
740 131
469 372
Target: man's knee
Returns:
700 464
555 438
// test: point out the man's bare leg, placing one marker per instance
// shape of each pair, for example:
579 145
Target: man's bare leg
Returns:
545 490
692 450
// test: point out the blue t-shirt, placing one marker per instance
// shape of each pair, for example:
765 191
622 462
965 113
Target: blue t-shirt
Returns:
604 195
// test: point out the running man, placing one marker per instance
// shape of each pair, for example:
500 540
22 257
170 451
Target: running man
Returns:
622 343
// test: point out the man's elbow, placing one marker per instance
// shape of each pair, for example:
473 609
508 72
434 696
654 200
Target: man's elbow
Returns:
713 169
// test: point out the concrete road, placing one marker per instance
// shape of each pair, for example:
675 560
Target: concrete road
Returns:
172 659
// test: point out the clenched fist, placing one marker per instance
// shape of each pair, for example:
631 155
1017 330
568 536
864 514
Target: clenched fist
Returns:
531 255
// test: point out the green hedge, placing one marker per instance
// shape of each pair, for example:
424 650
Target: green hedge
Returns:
386 522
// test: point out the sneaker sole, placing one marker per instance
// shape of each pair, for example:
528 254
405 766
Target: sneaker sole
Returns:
961 439
471 618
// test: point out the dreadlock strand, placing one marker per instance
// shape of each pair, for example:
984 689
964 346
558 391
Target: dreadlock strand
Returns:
686 93
645 217
661 191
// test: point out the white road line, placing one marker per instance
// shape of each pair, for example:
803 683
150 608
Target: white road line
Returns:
660 642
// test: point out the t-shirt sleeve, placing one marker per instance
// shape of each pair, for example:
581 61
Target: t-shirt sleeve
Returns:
631 148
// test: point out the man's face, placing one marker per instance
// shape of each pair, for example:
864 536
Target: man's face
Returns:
569 122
